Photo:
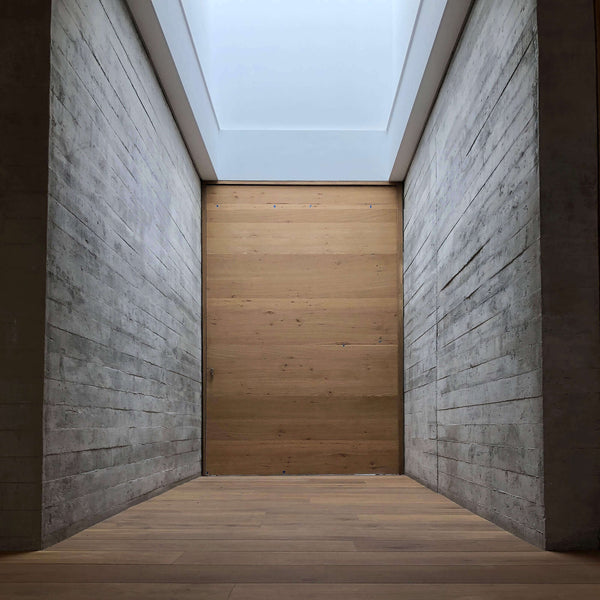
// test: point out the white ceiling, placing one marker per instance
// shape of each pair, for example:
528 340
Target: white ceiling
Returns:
317 90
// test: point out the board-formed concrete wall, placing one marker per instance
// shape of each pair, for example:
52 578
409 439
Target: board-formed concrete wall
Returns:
473 332
24 85
122 414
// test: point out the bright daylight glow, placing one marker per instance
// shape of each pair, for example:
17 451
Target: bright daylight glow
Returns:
301 65
301 90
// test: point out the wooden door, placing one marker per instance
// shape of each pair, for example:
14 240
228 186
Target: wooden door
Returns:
301 329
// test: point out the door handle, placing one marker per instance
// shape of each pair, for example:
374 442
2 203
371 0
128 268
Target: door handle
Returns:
211 373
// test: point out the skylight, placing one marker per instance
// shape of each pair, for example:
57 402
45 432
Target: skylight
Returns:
321 90
310 65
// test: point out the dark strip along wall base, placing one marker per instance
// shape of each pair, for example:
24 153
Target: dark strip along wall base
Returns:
24 115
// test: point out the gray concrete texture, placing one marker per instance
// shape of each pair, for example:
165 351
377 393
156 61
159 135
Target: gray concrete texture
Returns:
122 410
501 276
100 248
473 329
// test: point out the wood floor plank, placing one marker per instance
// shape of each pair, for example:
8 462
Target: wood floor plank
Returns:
376 558
504 543
456 535
304 591
116 591
115 556
177 573
213 546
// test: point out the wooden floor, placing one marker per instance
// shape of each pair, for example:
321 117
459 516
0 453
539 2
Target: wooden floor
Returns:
298 538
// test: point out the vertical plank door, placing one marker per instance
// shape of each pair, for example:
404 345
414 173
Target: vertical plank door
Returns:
301 327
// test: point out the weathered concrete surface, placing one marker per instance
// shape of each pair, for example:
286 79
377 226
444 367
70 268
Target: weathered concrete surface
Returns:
122 415
24 88
473 332
569 243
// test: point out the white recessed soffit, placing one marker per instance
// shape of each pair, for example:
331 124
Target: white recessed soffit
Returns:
311 90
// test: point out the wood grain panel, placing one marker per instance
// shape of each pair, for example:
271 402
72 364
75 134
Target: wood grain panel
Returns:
302 238
293 456
343 197
298 407
318 370
305 428
304 321
306 276
298 214
302 329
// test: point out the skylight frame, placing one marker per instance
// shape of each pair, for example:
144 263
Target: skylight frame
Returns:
300 155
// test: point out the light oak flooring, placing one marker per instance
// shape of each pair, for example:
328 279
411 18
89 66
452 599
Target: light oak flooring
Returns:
298 538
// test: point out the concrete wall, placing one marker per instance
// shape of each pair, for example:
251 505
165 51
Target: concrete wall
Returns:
122 414
473 331
24 85
569 244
